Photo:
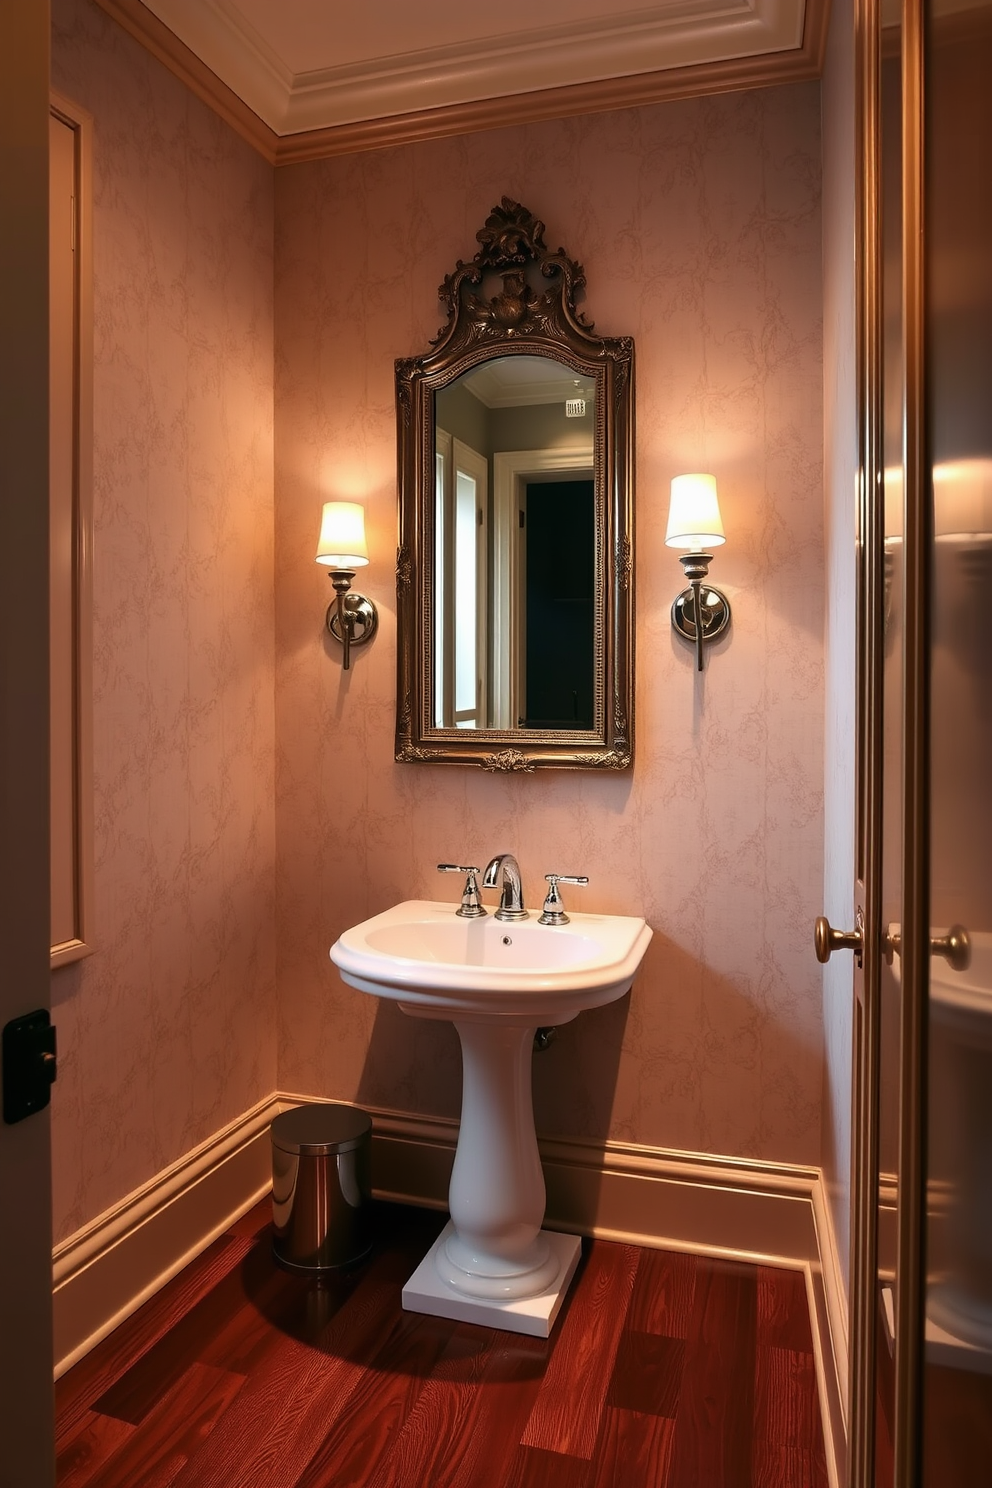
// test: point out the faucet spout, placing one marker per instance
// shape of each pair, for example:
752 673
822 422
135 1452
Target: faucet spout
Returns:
504 871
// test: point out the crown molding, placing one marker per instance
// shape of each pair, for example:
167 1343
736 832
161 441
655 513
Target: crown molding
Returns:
800 65
680 33
777 55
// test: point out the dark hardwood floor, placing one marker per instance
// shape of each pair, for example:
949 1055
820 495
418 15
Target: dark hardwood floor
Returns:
664 1371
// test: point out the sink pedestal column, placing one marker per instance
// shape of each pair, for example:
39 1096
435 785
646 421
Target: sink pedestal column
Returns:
492 1263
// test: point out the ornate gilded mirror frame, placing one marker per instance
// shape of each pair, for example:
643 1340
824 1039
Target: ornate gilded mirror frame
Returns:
532 312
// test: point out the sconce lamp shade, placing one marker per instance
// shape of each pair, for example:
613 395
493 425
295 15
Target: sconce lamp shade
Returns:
962 498
342 536
694 519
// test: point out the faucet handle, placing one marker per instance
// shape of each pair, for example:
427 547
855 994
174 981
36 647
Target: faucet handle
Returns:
554 911
471 907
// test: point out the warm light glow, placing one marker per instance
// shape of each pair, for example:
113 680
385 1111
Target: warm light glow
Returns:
694 519
892 486
962 498
342 535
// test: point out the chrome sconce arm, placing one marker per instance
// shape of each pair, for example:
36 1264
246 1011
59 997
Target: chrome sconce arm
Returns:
351 618
700 613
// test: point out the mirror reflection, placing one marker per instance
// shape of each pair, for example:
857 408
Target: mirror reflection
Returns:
514 557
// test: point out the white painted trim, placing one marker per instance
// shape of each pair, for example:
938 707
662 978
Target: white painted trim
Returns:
828 1306
835 1289
106 1270
768 1213
509 468
739 1208
73 831
667 36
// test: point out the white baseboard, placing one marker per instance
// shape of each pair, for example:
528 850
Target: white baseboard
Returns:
828 1316
768 1213
106 1270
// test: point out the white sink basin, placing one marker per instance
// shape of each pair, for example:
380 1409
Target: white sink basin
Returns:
422 953
497 981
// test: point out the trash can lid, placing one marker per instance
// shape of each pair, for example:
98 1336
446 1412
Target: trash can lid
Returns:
321 1129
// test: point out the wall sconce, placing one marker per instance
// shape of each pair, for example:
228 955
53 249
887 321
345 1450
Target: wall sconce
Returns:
699 613
351 618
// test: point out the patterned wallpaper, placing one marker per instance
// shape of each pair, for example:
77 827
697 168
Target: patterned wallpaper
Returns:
698 223
167 1032
247 802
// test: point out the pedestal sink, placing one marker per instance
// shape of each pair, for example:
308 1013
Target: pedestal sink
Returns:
497 982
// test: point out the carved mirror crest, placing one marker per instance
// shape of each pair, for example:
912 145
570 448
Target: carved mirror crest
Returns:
514 572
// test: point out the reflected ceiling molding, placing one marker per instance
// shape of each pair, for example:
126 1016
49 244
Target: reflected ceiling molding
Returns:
671 51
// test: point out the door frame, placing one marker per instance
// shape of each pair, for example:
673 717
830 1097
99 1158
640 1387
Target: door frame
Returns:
26 1393
915 706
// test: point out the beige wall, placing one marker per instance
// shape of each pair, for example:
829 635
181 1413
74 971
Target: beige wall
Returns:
167 1032
698 224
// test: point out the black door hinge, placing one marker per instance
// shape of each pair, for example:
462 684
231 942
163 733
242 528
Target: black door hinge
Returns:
28 1065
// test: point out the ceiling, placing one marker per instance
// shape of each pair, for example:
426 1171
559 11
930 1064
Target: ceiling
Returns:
316 75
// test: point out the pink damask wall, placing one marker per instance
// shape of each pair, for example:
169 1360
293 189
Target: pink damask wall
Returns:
167 1032
698 224
699 227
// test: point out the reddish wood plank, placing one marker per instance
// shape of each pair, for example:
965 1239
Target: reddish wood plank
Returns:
271 1303
647 1375
469 1416
436 1429
140 1388
663 1293
77 1389
532 1467
361 1394
233 1324
788 1437
374 1416
173 1432
569 1405
284 1412
95 1439
633 1449
783 1310
715 1423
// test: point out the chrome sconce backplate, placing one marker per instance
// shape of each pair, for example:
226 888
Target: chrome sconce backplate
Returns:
715 609
362 619
699 613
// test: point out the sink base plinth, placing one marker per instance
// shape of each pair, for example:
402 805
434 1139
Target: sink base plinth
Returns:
534 1315
477 1274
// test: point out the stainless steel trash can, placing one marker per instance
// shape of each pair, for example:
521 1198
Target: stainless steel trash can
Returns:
321 1187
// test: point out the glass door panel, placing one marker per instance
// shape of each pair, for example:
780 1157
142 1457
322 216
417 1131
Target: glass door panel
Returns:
889 999
957 1371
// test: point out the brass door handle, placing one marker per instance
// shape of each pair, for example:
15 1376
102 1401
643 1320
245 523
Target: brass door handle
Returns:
955 946
828 940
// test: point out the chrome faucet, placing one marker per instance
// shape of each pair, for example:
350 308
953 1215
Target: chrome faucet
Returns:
504 870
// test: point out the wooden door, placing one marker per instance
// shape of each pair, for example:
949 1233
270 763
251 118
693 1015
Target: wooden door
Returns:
26 1398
